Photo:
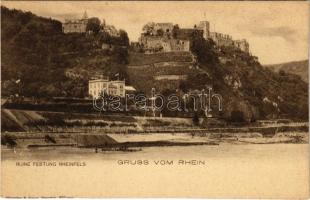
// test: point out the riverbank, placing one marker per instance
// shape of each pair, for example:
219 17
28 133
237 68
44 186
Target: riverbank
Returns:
125 141
23 129
60 122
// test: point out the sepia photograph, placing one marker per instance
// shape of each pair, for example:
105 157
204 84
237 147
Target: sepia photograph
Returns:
161 99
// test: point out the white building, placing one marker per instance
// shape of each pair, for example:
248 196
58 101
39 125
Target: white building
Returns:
113 88
75 25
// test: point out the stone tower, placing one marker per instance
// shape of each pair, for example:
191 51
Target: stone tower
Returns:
205 26
85 15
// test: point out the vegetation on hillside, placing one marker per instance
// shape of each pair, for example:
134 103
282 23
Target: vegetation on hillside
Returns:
297 67
36 54
242 80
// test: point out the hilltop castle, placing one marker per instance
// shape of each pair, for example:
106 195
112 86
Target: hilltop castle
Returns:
80 25
166 37
75 25
221 39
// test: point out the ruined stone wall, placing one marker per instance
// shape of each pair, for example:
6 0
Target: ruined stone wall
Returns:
243 45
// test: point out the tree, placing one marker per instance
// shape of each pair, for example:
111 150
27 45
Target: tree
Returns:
9 87
104 37
195 119
148 28
237 116
160 32
124 37
175 30
184 86
206 54
201 48
282 72
121 55
93 24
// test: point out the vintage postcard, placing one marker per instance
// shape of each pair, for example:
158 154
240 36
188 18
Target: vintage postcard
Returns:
188 99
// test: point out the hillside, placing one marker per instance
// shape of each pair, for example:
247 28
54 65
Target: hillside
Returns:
38 60
162 71
246 86
297 67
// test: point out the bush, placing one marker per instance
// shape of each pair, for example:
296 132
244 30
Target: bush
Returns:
94 123
156 122
237 116
93 25
195 119
49 139
8 140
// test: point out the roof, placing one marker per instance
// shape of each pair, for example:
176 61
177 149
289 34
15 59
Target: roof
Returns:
118 81
98 80
94 140
129 88
165 23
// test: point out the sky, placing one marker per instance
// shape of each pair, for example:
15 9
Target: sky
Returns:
277 31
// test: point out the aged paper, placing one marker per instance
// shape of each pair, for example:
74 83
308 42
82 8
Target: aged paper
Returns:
185 99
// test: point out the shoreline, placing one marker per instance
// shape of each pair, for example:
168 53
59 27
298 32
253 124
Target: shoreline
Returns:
123 142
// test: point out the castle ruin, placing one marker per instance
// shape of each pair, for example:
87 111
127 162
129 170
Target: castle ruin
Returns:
166 37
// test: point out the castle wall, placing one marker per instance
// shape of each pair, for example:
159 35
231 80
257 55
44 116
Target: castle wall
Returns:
153 42
166 27
186 33
166 45
181 39
243 45
74 26
221 39
179 45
